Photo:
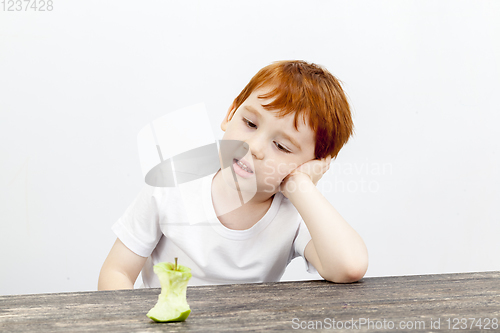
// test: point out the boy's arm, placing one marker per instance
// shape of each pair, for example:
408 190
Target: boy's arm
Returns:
336 250
120 269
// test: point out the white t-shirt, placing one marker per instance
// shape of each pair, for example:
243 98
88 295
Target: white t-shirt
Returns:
159 224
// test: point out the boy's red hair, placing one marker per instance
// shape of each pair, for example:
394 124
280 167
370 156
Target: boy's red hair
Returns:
310 91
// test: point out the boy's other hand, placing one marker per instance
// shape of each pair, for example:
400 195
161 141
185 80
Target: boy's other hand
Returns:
312 171
120 269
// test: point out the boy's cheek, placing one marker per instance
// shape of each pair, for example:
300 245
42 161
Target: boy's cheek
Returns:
277 172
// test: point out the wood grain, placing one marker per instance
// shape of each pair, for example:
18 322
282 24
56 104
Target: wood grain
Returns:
265 306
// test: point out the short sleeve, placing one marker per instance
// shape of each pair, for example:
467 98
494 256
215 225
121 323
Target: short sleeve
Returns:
300 242
138 228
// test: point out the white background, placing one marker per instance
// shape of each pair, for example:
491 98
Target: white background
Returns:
419 180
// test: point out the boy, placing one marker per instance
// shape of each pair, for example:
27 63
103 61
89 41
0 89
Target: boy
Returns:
294 117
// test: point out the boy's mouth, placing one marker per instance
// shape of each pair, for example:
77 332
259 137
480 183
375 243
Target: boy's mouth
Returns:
241 165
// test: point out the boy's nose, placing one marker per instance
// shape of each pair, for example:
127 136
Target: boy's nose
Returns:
257 148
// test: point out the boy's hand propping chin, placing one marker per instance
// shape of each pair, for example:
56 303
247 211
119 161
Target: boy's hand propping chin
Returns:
312 171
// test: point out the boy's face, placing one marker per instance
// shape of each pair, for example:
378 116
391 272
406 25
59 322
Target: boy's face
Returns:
276 148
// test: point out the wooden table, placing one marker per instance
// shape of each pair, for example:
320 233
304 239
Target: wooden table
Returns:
373 304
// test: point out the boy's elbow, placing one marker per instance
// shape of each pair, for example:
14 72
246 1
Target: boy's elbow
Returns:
348 274
354 274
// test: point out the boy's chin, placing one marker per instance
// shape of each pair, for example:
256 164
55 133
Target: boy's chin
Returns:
248 187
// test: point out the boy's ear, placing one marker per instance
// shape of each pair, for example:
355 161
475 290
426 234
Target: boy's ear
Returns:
225 121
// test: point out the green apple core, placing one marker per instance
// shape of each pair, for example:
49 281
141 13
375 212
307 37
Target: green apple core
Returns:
172 304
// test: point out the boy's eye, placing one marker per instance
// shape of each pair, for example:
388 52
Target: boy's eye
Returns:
278 145
282 148
249 123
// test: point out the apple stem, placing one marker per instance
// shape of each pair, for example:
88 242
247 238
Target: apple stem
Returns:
175 267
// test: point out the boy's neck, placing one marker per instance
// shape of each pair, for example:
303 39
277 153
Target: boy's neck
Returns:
229 210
